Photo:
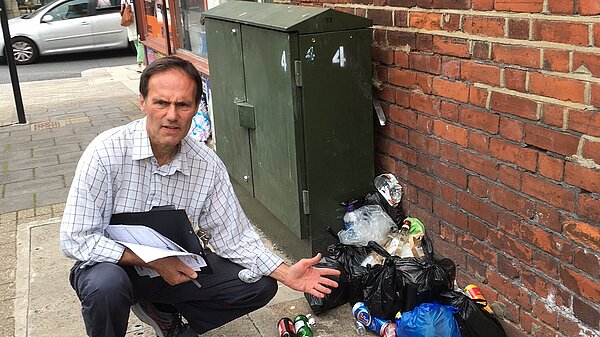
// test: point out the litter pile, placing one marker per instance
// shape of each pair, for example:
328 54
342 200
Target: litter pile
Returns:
391 277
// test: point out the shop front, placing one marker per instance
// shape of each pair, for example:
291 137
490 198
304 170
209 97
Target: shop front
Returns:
173 27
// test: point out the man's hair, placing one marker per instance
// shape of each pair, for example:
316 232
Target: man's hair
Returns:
168 63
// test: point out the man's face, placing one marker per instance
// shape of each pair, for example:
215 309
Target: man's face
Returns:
169 108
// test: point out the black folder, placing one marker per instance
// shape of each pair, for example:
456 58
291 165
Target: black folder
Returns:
174 224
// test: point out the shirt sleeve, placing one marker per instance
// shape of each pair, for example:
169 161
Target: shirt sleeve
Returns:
84 219
233 237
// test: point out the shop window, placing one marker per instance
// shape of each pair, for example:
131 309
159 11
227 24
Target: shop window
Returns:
155 20
192 36
187 35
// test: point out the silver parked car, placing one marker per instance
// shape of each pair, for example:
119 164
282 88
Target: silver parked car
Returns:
66 26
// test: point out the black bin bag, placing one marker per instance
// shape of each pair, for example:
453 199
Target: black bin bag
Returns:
424 280
401 284
338 296
381 286
472 320
351 257
347 260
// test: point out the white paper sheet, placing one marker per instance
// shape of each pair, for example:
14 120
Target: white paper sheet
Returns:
149 245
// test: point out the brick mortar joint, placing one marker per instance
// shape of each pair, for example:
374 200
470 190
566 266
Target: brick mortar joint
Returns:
536 98
591 19
496 40
591 138
579 159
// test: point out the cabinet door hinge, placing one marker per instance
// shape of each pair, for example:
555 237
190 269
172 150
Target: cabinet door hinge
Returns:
305 202
298 72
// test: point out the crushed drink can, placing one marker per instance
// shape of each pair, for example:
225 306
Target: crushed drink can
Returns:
388 329
362 315
475 294
285 326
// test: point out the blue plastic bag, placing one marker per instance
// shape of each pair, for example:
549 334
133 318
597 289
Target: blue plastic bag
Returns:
428 320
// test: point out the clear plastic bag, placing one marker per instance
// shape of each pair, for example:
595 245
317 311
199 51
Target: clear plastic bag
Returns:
372 224
395 244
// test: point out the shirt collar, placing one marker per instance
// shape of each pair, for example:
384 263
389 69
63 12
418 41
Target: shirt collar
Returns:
141 142
180 162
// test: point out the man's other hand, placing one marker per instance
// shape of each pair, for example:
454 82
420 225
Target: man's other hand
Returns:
172 270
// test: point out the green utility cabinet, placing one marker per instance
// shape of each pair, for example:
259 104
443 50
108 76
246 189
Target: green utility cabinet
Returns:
292 101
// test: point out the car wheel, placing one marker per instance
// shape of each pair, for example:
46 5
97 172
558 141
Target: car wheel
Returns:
25 50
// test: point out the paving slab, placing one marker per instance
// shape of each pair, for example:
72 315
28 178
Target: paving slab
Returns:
6 277
70 157
19 164
8 259
16 203
14 145
6 228
33 186
51 197
15 176
15 154
53 170
59 150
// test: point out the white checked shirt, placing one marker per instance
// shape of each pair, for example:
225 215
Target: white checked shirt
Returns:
118 173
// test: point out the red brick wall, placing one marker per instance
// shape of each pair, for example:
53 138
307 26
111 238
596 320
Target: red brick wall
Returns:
494 130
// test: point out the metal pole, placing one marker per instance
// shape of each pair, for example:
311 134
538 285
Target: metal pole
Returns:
12 67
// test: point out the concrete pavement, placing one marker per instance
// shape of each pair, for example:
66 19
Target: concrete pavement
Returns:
37 163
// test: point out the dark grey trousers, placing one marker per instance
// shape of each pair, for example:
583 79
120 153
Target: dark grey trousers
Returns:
107 291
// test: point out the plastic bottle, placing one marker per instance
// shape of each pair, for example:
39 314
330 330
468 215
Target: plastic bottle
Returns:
404 230
403 249
350 216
